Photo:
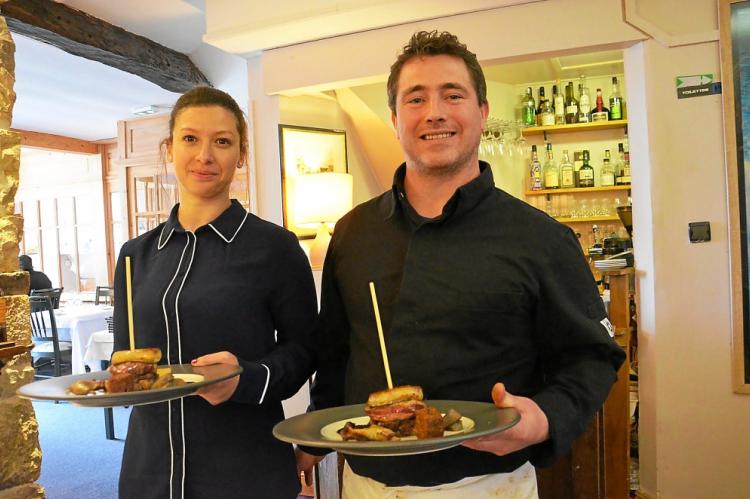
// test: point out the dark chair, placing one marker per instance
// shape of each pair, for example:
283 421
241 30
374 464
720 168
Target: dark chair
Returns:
44 335
104 295
109 417
53 293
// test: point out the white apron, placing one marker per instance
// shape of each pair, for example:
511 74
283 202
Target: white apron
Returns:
518 484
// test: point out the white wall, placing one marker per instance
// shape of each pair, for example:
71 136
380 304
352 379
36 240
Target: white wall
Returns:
685 335
225 71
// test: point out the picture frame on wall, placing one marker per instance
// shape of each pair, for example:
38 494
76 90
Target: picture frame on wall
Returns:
734 42
306 150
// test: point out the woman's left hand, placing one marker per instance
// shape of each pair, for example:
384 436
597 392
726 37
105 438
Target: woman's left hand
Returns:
219 392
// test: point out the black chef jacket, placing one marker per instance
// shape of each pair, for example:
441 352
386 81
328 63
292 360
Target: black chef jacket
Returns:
227 286
491 291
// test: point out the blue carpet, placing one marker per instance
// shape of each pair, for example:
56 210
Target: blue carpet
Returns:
77 460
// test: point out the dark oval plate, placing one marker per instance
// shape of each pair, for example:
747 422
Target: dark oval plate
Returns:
306 429
57 388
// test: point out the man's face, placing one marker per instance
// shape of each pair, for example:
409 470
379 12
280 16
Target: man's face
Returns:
438 119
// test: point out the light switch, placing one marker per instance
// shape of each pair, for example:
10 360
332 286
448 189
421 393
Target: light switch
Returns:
699 232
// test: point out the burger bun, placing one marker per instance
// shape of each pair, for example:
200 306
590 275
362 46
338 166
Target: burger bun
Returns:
396 394
145 355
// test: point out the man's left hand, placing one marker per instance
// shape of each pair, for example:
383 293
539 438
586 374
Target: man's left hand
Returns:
533 427
218 392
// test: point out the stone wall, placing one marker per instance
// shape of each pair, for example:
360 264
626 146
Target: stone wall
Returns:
20 455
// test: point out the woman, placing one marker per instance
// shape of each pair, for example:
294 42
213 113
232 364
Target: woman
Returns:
215 284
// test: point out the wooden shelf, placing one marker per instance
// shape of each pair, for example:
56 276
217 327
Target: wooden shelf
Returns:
579 189
569 220
575 127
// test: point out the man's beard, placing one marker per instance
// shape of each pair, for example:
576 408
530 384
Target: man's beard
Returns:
449 168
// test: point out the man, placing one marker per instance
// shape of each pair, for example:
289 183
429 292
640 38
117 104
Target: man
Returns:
478 292
38 280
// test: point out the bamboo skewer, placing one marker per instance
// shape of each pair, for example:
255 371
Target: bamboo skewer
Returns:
129 288
380 335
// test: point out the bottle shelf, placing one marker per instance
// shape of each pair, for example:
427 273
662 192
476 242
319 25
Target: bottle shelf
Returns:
579 189
607 218
575 127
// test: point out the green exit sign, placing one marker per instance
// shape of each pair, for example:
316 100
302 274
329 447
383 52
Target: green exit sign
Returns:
697 85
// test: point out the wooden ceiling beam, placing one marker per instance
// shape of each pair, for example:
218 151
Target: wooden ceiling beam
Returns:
86 36
56 142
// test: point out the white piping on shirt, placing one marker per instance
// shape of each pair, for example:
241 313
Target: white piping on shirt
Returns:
160 245
235 232
184 448
179 342
268 379
179 351
166 324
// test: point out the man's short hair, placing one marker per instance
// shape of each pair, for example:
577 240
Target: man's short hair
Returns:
434 43
24 262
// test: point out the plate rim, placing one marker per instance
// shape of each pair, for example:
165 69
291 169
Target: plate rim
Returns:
398 448
123 398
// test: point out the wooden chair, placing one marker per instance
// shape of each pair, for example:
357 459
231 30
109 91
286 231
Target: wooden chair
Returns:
104 295
53 293
44 335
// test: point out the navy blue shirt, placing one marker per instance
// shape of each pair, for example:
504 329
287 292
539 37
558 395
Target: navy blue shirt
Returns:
239 284
490 291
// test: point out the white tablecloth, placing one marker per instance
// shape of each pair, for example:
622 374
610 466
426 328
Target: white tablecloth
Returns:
76 323
100 346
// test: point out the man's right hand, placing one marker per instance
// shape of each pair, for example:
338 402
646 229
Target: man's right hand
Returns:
305 463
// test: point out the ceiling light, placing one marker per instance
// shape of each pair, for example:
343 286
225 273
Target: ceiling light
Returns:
145 110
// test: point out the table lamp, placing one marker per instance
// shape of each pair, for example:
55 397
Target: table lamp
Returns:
320 200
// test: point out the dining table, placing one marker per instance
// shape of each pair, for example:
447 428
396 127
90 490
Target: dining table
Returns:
77 323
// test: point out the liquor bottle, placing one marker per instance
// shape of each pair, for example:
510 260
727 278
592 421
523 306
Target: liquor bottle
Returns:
615 102
551 171
599 113
548 114
559 104
535 171
626 161
567 172
620 166
528 109
586 173
607 175
584 102
571 105
542 102
577 163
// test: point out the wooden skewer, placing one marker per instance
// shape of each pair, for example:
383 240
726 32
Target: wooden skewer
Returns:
380 335
129 288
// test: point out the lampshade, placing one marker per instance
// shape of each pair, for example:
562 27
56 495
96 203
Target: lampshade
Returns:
321 199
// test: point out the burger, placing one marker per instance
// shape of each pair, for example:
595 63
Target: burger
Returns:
132 370
396 408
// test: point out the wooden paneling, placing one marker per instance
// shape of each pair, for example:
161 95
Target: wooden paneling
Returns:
598 465
141 139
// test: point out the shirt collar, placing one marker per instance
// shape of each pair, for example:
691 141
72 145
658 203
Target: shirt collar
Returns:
226 226
465 198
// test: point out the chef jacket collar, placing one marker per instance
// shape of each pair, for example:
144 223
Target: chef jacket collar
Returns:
463 200
227 225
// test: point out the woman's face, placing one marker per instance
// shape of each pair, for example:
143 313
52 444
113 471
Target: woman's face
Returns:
205 150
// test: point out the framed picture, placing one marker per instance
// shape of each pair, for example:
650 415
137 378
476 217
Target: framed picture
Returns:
734 25
305 150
